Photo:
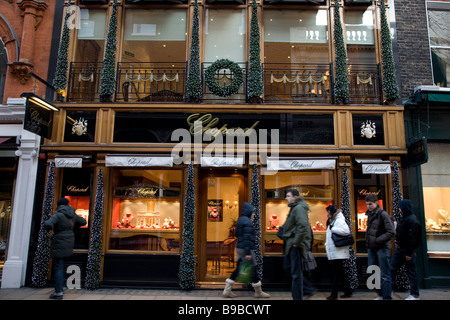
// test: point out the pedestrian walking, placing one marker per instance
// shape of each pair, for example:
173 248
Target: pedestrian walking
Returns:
246 236
408 238
379 233
296 235
337 255
62 223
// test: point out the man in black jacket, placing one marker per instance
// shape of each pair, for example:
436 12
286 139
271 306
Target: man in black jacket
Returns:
62 223
408 239
379 233
246 237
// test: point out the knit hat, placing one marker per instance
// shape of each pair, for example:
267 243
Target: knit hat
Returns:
62 202
247 209
406 207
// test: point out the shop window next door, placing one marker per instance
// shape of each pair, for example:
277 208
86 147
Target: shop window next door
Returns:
222 195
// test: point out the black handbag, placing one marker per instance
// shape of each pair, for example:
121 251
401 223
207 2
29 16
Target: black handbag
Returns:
342 241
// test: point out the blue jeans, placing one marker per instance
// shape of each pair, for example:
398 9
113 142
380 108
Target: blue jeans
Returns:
293 266
380 258
58 265
398 259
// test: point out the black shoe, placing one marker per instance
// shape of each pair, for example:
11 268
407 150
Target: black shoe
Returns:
56 296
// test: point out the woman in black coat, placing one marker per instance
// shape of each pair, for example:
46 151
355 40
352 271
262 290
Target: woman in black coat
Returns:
246 235
62 223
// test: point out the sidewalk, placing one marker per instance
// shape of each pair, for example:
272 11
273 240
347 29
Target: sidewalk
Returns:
27 293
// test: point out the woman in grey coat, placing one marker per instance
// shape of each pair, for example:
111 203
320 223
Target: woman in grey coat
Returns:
62 223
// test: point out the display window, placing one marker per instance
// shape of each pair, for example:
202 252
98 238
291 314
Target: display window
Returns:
77 188
436 196
146 210
365 184
317 187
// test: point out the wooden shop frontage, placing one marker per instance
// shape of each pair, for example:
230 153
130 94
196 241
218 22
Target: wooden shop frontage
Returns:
137 149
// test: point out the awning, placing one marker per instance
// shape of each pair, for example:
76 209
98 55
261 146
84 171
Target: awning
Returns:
138 160
431 94
276 164
374 166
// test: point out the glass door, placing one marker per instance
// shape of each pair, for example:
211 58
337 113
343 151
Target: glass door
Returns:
222 196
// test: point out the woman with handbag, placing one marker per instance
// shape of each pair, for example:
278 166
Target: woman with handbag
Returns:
337 254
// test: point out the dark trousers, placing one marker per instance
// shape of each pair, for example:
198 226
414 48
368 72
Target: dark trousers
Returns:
338 277
293 266
58 265
397 260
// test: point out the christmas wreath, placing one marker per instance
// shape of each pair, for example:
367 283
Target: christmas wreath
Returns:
233 87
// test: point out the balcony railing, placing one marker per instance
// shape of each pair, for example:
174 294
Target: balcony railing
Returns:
84 81
298 83
166 82
151 82
365 83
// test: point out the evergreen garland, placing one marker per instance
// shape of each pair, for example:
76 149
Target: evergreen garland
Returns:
390 86
350 264
341 86
95 247
186 273
401 281
254 80
108 71
42 254
255 201
62 65
194 80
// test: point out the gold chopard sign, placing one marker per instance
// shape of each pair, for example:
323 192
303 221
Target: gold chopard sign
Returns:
211 123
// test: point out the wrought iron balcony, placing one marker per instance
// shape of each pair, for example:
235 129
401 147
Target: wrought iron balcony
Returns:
150 82
84 81
166 82
298 83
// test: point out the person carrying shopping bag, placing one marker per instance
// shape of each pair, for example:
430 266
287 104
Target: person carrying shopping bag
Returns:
246 235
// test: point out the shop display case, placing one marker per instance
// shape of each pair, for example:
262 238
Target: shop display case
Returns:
145 217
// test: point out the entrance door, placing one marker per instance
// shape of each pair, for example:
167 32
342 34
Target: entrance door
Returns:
222 194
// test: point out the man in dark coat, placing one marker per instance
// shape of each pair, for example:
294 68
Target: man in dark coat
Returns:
408 237
246 237
62 223
379 233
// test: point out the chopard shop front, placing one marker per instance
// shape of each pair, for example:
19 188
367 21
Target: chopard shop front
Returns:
143 160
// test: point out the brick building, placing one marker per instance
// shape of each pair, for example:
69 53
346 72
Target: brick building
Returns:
25 44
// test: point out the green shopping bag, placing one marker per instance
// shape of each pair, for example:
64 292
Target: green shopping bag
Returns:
245 272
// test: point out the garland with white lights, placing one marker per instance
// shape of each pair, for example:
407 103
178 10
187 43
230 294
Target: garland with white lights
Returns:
233 87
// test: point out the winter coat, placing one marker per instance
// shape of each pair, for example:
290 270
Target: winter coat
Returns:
245 231
380 229
296 229
62 223
340 227
409 232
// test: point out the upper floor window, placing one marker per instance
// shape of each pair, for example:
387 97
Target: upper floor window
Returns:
296 36
439 33
225 35
91 36
154 35
359 34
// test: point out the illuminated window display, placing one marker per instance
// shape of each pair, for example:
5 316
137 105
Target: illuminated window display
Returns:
76 187
436 196
317 187
146 210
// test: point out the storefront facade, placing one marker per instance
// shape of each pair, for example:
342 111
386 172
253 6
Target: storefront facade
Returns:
138 138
